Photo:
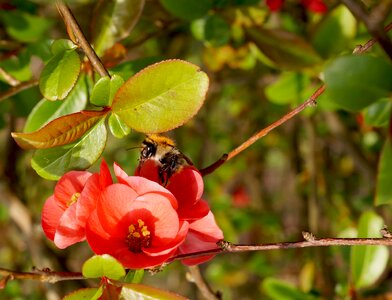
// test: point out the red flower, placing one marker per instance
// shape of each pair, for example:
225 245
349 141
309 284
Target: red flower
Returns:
137 225
186 185
203 235
316 6
274 5
65 213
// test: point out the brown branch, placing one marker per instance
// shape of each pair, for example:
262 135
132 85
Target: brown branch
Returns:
309 102
43 276
71 23
197 278
310 241
18 88
373 21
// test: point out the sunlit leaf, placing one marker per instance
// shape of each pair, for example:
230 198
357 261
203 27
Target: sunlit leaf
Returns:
59 75
335 31
161 97
368 262
103 266
61 131
354 82
85 294
46 111
285 49
384 176
23 26
54 162
134 276
187 10
379 113
131 291
105 89
61 45
117 127
114 20
278 289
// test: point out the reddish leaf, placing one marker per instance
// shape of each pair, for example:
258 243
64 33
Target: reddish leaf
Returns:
61 131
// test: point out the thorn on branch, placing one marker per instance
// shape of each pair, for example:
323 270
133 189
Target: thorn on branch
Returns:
224 245
385 232
308 236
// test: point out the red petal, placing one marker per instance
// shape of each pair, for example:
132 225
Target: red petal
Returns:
175 243
274 5
149 169
187 185
143 185
140 260
193 212
316 6
69 231
69 184
208 228
104 175
89 197
51 214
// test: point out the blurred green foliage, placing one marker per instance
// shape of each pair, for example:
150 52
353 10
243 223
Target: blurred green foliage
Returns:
327 171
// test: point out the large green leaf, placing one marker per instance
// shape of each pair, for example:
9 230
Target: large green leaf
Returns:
284 49
278 289
85 294
161 97
105 89
113 20
131 291
187 10
103 266
60 131
368 262
60 74
118 128
23 26
46 111
334 33
379 113
54 162
384 176
354 82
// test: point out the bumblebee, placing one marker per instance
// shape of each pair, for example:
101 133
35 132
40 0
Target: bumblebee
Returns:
163 150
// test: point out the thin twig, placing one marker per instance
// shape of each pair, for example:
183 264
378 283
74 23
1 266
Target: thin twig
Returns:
43 276
202 285
71 22
309 102
227 247
18 88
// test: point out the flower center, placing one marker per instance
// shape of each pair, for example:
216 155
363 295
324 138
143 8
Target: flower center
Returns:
73 199
139 236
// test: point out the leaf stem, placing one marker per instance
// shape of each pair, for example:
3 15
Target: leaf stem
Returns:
71 23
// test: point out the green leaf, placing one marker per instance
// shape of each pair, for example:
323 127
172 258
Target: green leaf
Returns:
54 162
278 289
46 111
103 266
113 21
130 68
59 75
60 131
354 82
118 128
134 276
378 114
131 291
368 262
384 176
62 45
284 49
187 10
85 294
105 89
335 32
23 26
216 31
288 88
161 97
